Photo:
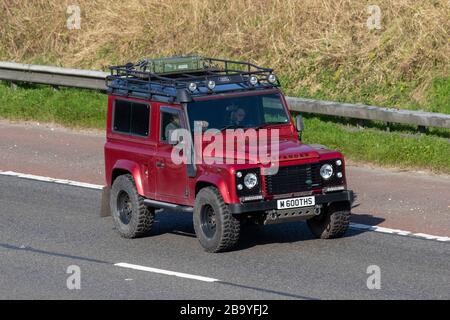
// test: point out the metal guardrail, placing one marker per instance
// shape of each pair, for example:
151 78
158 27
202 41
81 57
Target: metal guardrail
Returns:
56 76
365 112
89 79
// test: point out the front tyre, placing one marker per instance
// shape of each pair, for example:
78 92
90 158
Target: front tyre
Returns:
332 223
131 217
216 228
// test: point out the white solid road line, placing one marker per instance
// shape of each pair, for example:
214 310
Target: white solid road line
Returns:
165 272
352 225
53 180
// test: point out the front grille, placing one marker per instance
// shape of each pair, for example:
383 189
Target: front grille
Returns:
290 179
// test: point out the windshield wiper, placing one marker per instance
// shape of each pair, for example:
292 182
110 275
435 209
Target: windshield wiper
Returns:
231 126
267 124
263 125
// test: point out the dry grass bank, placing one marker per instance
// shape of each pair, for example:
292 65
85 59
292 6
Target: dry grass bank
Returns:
321 48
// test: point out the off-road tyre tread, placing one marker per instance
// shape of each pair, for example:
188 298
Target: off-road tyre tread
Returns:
334 224
144 217
231 226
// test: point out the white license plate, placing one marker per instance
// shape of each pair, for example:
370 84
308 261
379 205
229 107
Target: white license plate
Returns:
296 203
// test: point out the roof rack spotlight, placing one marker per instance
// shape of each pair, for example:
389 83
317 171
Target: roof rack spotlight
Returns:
192 86
272 78
253 80
211 84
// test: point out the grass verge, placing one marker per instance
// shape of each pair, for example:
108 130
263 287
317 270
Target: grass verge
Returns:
68 107
400 148
371 145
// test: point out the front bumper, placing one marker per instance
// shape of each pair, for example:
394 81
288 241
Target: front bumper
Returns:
239 208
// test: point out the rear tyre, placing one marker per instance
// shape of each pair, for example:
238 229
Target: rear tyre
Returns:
332 223
216 228
131 217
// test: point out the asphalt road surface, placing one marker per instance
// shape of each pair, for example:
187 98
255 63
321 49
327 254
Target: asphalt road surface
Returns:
408 200
47 227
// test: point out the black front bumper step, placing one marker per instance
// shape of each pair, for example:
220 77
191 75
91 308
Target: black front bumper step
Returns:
239 208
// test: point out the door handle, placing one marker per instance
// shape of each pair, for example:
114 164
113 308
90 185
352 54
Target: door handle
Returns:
160 164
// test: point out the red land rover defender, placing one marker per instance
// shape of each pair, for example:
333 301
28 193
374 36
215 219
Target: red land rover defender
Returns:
223 187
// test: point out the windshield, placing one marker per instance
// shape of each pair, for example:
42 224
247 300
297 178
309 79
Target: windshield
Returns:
239 112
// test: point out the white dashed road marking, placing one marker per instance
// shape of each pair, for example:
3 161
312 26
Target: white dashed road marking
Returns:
165 272
397 232
352 225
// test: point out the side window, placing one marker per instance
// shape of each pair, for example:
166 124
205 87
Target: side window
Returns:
131 118
140 118
122 116
170 121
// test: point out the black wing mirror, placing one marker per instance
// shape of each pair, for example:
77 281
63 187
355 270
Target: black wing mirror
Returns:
299 125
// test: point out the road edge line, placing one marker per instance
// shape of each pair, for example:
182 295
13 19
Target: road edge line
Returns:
398 232
51 180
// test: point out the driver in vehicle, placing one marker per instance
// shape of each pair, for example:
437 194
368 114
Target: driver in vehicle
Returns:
173 124
238 117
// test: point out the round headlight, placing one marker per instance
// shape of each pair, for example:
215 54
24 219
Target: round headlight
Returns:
239 186
338 162
192 86
272 78
253 80
326 171
239 174
250 180
211 84
339 175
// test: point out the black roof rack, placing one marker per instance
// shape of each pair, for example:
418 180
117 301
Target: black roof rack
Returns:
193 75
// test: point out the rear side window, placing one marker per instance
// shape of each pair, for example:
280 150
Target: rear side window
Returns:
131 118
